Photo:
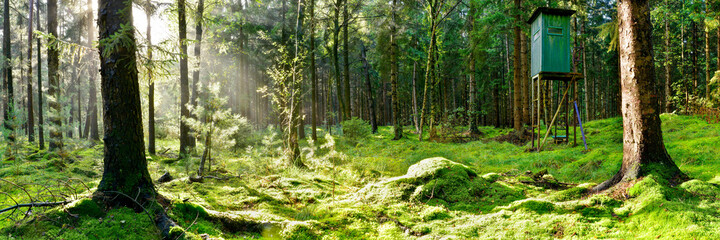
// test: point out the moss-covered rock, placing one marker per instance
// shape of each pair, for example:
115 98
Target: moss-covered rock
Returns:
431 179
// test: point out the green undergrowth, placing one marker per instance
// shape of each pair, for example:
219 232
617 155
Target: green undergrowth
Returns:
373 188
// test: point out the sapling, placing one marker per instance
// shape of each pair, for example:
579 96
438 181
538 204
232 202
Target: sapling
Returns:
214 121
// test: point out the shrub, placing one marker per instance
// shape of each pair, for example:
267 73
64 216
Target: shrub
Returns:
355 129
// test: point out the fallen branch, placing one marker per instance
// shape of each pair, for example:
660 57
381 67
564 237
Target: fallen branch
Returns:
38 204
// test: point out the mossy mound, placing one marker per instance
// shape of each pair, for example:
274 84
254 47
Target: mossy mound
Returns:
85 207
439 181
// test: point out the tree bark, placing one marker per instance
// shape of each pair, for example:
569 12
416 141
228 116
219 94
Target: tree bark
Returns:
30 110
472 103
151 87
336 62
184 87
198 47
708 72
371 100
644 152
346 53
524 77
91 121
294 148
7 74
397 127
313 72
668 63
125 166
517 75
414 98
41 131
54 79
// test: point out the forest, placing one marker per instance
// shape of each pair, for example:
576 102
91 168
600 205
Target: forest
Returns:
360 119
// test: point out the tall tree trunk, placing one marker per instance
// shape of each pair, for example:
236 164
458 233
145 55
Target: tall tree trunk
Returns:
414 98
184 87
198 47
336 61
124 162
585 76
525 78
668 63
54 80
708 72
295 159
41 130
694 59
7 75
313 72
472 103
72 90
397 126
517 75
643 148
151 87
430 76
301 84
91 121
371 100
30 110
346 53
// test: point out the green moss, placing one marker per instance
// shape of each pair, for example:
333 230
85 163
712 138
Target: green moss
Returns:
491 177
85 207
701 188
534 205
569 194
188 210
434 213
298 230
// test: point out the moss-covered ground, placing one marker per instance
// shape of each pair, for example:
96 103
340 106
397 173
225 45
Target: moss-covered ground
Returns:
374 188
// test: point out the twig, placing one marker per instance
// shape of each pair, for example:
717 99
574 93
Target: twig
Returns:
191 224
38 204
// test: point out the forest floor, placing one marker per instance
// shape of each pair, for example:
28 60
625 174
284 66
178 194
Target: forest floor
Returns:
375 188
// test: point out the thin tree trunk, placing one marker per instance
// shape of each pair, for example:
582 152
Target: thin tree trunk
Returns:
517 75
198 51
371 100
206 152
585 76
414 98
7 74
397 126
151 87
295 159
472 103
184 85
41 131
346 53
668 63
313 72
336 61
30 110
708 72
